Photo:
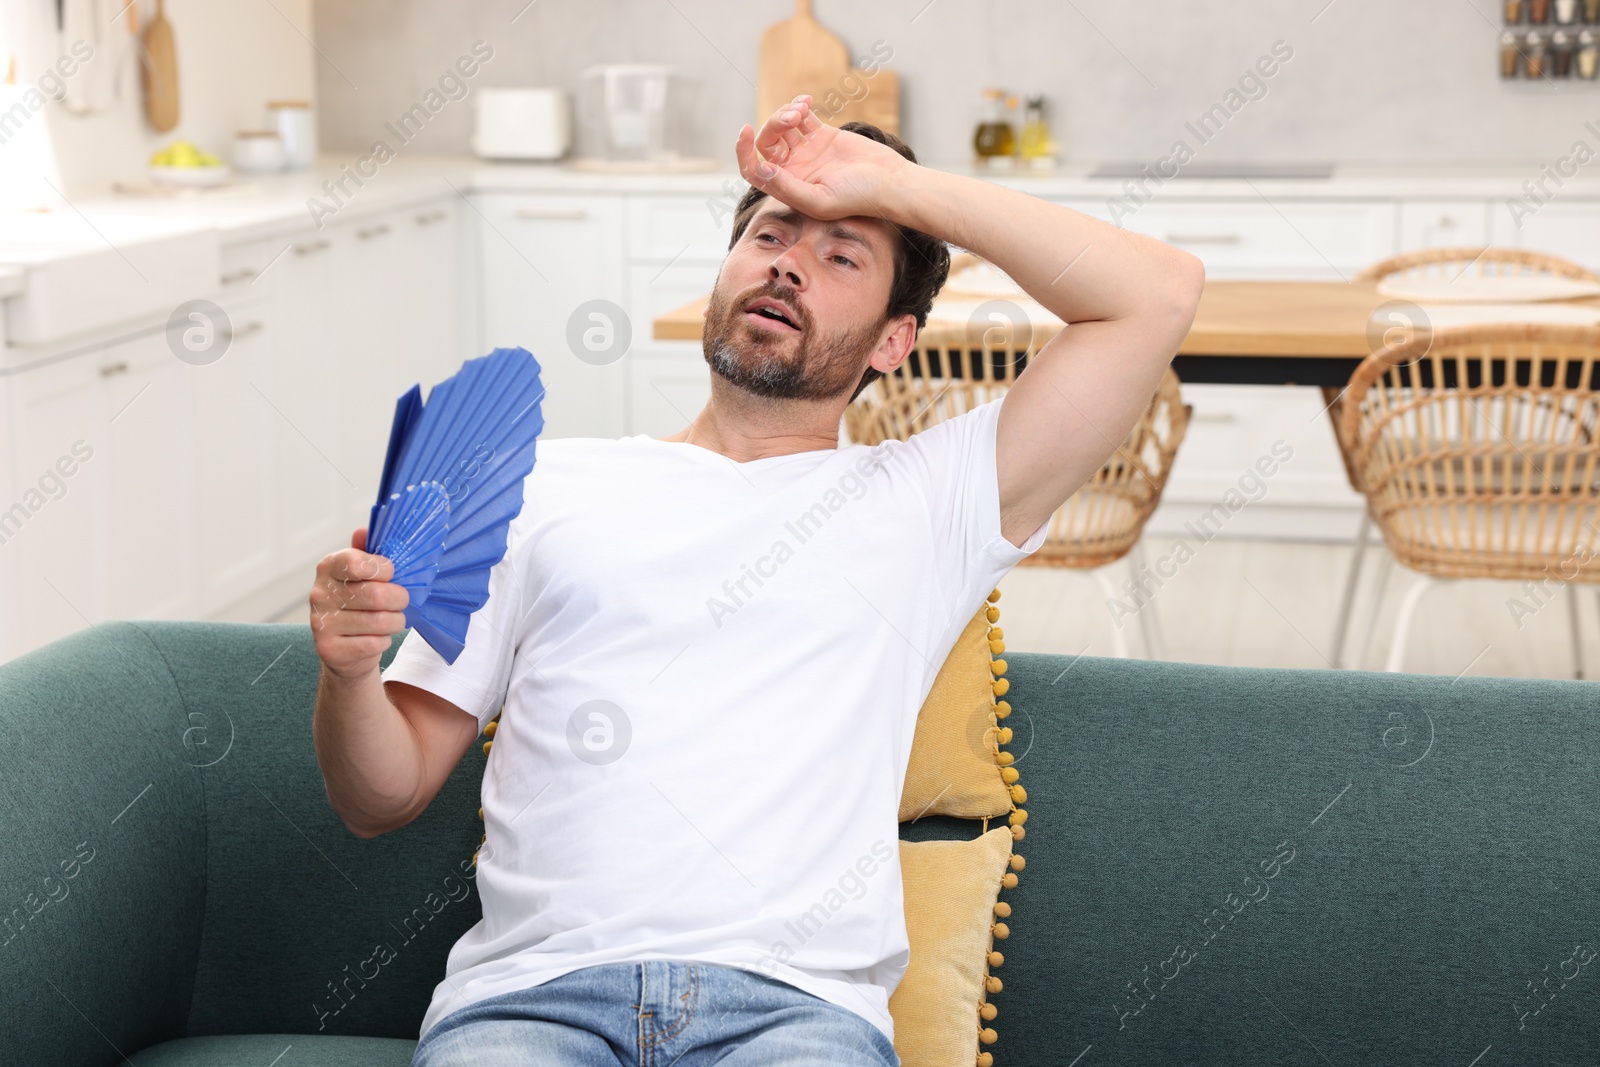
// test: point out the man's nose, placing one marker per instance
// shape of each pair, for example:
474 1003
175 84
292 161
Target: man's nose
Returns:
785 266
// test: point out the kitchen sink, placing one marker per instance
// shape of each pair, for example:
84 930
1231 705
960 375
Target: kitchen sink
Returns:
82 273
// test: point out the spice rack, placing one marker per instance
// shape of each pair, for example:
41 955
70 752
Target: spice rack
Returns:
1550 39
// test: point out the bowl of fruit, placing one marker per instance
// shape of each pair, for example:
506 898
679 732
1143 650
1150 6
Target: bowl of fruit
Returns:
181 163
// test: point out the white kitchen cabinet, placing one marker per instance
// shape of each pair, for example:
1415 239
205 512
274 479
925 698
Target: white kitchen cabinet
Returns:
55 540
669 381
234 435
1273 239
1443 224
301 385
542 258
1569 230
667 229
147 482
433 251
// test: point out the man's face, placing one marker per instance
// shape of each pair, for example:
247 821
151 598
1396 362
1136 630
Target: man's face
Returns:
829 280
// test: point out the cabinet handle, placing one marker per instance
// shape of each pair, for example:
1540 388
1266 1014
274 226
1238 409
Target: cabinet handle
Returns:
551 213
1215 416
247 329
244 274
112 369
373 231
431 217
306 250
1202 238
1446 222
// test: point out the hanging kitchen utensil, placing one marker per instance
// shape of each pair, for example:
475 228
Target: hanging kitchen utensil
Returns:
797 56
800 56
160 72
451 484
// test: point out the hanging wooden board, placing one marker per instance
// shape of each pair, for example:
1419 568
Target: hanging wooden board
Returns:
799 55
160 72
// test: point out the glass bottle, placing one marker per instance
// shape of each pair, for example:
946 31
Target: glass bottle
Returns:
1510 55
1538 11
1513 10
1533 50
1588 55
1566 12
1560 54
995 138
1037 148
1591 10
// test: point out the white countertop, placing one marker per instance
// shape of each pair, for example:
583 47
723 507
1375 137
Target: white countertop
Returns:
265 205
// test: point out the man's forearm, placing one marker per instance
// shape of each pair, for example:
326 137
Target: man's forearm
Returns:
1078 267
370 758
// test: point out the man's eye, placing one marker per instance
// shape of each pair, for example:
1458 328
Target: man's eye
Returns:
765 236
845 260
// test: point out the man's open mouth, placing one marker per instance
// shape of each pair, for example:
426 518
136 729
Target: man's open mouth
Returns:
774 312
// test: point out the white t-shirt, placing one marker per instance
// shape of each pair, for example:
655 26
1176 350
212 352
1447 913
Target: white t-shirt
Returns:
711 673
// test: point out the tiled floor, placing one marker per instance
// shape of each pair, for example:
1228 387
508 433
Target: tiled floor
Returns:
1273 603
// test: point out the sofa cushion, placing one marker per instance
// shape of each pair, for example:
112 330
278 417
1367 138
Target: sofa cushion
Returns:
279 1050
951 889
955 765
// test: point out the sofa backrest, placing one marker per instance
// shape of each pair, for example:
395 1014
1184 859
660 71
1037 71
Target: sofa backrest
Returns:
1253 867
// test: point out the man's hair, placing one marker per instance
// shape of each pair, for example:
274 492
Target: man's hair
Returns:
921 261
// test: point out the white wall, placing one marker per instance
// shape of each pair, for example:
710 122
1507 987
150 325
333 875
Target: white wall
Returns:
233 56
1371 80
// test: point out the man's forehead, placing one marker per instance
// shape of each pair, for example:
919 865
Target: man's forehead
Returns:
867 230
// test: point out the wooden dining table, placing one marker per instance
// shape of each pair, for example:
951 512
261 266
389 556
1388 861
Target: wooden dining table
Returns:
1244 332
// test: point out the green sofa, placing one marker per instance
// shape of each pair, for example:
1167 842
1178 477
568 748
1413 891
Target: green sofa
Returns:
1224 866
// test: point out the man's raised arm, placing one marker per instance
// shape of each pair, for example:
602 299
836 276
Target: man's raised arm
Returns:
1129 299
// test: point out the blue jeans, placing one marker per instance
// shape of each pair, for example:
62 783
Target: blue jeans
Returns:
656 1013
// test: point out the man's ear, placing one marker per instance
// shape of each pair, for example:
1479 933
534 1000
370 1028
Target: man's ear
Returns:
896 344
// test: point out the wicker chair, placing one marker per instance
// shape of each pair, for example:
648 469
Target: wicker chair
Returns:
952 371
1478 453
1434 262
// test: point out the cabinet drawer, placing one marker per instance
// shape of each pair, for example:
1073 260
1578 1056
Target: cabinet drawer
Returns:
1571 231
1443 224
653 291
1286 238
672 228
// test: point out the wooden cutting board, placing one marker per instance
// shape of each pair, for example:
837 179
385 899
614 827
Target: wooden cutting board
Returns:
799 55
159 72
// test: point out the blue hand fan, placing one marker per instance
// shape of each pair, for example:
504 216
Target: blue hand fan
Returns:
452 483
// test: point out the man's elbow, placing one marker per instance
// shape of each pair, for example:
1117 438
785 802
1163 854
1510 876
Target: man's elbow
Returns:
1188 280
1178 298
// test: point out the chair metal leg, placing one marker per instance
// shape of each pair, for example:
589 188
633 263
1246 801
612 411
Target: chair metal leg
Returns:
1119 640
1402 625
1352 581
1577 632
1380 586
1155 644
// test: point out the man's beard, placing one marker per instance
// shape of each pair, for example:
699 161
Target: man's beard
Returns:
779 364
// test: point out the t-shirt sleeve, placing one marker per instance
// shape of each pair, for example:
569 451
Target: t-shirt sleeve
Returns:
956 460
476 682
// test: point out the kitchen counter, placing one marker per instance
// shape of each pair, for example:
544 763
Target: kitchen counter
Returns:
262 205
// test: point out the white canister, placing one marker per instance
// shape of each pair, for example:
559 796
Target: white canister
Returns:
258 151
296 124
522 124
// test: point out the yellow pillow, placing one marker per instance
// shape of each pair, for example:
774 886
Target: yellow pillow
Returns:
941 1009
956 767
